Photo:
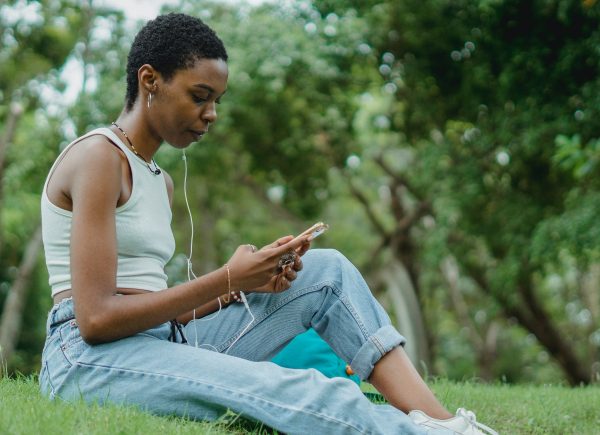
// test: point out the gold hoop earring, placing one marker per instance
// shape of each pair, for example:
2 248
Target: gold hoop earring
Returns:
149 102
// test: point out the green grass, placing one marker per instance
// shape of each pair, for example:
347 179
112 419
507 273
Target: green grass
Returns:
508 409
526 409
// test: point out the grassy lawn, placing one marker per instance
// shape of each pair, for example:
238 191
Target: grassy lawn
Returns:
508 409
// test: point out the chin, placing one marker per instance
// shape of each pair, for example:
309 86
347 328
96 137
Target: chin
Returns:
180 143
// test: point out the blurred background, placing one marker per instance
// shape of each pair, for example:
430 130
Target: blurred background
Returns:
452 145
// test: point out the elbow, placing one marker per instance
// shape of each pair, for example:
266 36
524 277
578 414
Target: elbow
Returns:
92 330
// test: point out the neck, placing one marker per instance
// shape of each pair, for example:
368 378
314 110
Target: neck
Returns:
139 131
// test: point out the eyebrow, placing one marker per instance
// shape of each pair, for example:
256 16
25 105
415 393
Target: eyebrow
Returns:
208 88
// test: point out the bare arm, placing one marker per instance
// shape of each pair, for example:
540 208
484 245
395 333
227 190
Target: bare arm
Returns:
102 316
204 310
95 189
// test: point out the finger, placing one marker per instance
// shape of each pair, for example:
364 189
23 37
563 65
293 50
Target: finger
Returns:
303 248
278 285
291 245
290 274
298 265
247 248
281 241
274 284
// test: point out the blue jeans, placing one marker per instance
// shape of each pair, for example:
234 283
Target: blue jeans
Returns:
227 371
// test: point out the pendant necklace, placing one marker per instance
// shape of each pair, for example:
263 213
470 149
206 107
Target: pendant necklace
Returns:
156 170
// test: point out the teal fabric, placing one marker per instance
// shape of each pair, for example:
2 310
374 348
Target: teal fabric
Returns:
308 350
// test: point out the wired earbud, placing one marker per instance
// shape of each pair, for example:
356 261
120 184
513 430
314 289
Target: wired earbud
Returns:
191 275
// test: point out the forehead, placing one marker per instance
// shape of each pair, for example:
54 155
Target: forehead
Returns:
207 72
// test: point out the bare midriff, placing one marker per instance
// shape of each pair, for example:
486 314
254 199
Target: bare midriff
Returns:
121 291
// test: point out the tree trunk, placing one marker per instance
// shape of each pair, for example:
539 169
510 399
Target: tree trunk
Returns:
9 133
549 335
488 353
12 314
531 315
485 344
407 311
590 293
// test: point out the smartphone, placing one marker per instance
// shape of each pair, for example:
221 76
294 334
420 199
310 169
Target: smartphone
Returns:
316 230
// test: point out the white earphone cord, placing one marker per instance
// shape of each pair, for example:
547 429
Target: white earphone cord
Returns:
191 274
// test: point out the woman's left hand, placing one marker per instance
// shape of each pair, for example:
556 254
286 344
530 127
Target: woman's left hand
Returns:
283 280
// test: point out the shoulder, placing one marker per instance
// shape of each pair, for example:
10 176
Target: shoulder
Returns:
96 161
170 185
95 149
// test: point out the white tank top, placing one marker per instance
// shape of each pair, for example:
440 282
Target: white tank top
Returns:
145 241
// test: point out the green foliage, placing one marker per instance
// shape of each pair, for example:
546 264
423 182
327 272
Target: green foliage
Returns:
33 46
286 110
496 114
488 109
40 37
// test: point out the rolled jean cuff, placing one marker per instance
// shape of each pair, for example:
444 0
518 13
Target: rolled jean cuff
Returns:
377 345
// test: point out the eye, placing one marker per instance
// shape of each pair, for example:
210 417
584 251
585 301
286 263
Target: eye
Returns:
218 100
198 100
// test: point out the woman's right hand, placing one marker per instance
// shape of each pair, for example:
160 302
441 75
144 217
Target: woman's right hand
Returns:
258 270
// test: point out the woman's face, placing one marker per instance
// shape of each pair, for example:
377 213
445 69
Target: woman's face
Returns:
183 107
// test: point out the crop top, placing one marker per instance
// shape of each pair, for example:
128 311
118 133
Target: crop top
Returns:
145 241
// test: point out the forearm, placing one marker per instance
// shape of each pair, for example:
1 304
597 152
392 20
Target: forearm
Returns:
109 318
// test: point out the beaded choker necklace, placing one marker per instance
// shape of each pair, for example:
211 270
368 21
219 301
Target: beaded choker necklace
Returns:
156 170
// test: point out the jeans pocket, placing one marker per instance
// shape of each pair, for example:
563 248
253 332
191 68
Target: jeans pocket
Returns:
71 342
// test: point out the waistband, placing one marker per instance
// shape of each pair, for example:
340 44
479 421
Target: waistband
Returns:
60 313
64 311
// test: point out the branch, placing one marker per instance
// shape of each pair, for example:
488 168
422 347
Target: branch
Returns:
12 314
397 205
374 260
533 317
550 336
408 221
368 209
16 109
398 179
451 274
590 293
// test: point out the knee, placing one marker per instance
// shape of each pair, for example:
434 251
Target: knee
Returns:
329 266
323 258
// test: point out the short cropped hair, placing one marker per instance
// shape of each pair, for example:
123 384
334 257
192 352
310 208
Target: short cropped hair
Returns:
169 43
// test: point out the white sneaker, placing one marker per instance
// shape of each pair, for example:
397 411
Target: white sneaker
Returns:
463 423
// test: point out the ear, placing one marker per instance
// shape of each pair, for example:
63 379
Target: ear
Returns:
148 79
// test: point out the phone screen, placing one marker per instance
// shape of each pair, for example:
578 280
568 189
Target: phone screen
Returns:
319 231
316 230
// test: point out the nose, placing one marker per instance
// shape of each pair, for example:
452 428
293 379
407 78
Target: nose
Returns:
209 114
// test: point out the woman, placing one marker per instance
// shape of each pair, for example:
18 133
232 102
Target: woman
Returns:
112 334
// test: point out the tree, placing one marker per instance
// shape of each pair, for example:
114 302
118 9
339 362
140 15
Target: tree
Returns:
482 91
40 37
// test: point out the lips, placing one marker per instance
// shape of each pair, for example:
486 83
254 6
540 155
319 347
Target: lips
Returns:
197 134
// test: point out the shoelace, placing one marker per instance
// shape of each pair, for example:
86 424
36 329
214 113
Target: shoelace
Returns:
470 417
